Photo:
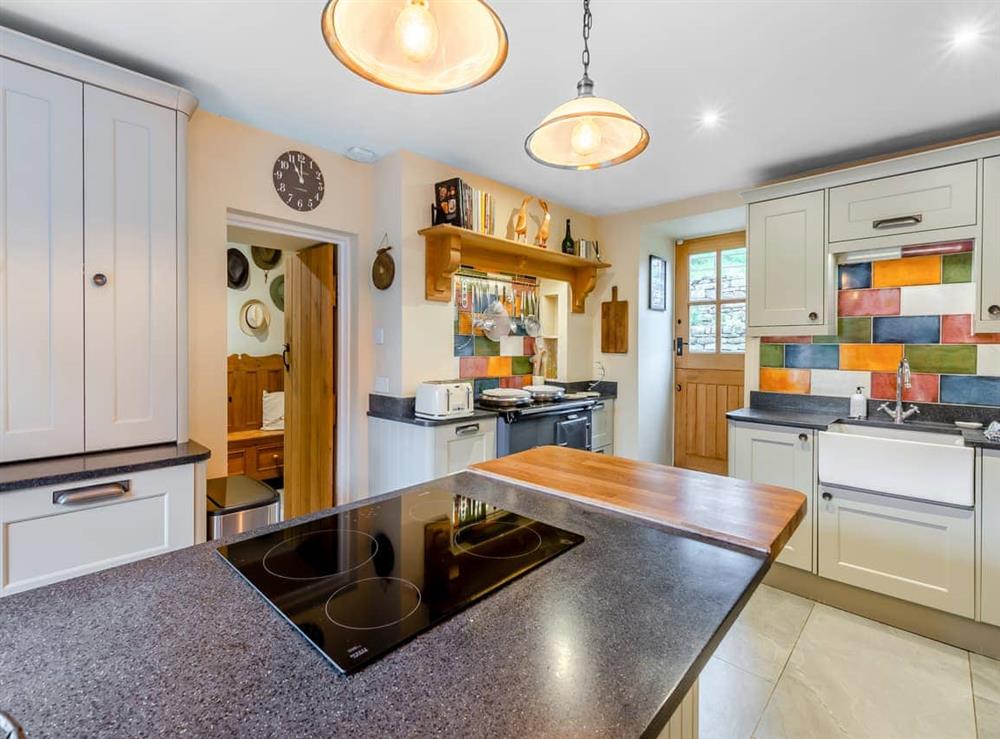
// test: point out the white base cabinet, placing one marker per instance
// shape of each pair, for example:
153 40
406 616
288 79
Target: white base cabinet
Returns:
777 455
403 454
915 551
989 553
57 532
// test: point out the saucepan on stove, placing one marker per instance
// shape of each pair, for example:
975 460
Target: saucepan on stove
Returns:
545 392
504 397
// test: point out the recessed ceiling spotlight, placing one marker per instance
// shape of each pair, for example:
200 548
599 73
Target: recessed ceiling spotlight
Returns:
361 154
966 36
710 118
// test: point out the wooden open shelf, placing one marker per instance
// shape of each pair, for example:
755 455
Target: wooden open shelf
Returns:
449 247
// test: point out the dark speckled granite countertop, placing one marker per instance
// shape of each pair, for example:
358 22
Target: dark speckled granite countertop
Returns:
604 640
37 472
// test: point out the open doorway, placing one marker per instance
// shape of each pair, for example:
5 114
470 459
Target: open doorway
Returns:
710 289
282 370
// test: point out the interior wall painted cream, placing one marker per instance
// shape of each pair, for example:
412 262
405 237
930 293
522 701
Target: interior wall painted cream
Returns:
229 167
643 411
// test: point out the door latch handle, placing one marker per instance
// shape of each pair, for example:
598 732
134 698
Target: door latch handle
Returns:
285 356
679 345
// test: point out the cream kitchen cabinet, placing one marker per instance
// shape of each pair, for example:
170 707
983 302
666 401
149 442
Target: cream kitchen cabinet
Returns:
401 454
989 553
787 266
783 456
988 283
91 256
57 532
909 549
602 427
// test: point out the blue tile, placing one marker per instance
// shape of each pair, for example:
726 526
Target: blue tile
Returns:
906 329
812 356
464 346
855 276
485 383
970 390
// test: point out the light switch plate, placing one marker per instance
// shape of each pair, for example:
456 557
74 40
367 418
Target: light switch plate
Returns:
379 336
381 384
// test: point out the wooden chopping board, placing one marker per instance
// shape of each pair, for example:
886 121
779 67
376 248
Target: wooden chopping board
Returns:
614 325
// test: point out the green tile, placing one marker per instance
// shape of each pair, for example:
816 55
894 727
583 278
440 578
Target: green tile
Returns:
956 267
935 358
487 348
772 355
852 330
520 365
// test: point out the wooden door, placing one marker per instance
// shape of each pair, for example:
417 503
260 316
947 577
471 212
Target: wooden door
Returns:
310 379
788 263
710 308
130 263
41 259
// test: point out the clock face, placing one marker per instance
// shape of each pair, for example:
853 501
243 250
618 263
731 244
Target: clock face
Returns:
298 181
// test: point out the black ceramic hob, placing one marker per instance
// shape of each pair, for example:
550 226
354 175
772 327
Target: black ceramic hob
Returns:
359 583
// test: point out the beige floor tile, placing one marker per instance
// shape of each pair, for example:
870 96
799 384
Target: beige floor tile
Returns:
851 677
731 701
764 634
986 687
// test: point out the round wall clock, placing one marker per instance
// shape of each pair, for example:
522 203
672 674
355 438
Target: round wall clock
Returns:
298 181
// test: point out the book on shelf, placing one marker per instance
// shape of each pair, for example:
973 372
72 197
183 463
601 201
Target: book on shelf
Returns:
459 204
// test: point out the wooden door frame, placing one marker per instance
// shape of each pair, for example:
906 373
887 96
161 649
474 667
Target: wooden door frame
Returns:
348 408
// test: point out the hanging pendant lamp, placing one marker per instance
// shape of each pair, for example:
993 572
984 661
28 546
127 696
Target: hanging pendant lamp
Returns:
587 132
428 47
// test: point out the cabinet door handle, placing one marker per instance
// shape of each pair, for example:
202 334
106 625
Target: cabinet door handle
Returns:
827 496
472 428
813 315
898 222
994 310
91 493
803 437
100 279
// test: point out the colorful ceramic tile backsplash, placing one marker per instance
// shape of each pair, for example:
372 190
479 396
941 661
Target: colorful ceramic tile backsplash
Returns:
919 306
491 364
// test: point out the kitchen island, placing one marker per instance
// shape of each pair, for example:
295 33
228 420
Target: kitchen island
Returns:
605 639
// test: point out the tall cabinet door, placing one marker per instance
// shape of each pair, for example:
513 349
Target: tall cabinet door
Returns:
989 251
41 261
130 178
787 262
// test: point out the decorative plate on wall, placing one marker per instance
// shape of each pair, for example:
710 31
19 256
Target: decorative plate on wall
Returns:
384 267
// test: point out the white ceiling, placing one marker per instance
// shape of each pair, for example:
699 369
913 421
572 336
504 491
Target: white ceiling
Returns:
799 84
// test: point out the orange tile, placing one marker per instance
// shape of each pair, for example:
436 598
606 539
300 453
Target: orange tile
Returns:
907 271
464 323
873 357
784 380
497 366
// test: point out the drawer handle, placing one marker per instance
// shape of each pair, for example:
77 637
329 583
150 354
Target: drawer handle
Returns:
803 437
827 496
898 222
472 428
994 310
92 493
813 316
599 406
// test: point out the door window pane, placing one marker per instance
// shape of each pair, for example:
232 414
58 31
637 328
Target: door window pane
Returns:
734 274
701 322
701 276
734 328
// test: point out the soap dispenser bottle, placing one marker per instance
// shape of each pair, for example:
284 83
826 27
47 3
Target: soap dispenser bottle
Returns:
859 406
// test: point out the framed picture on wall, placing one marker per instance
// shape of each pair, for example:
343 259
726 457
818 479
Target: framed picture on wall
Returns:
657 283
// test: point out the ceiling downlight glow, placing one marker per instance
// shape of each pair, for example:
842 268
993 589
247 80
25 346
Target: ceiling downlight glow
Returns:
427 47
966 37
587 132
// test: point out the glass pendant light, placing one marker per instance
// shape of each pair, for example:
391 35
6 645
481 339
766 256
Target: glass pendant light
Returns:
427 47
587 132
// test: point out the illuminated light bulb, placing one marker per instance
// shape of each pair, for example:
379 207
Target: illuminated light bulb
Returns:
586 137
416 31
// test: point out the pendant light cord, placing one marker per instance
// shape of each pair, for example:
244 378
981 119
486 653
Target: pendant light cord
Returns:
586 86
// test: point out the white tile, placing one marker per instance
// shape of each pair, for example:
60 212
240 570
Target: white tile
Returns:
730 701
511 346
764 634
935 300
988 359
840 382
851 677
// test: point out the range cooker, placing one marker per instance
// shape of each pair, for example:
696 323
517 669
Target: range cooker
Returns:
559 422
359 583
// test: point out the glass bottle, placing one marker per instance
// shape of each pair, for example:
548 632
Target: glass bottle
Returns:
567 242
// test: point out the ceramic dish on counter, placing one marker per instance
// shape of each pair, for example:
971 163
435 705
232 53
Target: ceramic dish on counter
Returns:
545 392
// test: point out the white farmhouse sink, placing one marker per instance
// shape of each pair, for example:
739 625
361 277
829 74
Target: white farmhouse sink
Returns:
914 464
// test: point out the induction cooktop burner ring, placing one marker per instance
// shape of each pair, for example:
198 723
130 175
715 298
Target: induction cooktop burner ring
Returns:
355 583
514 527
285 543
445 499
